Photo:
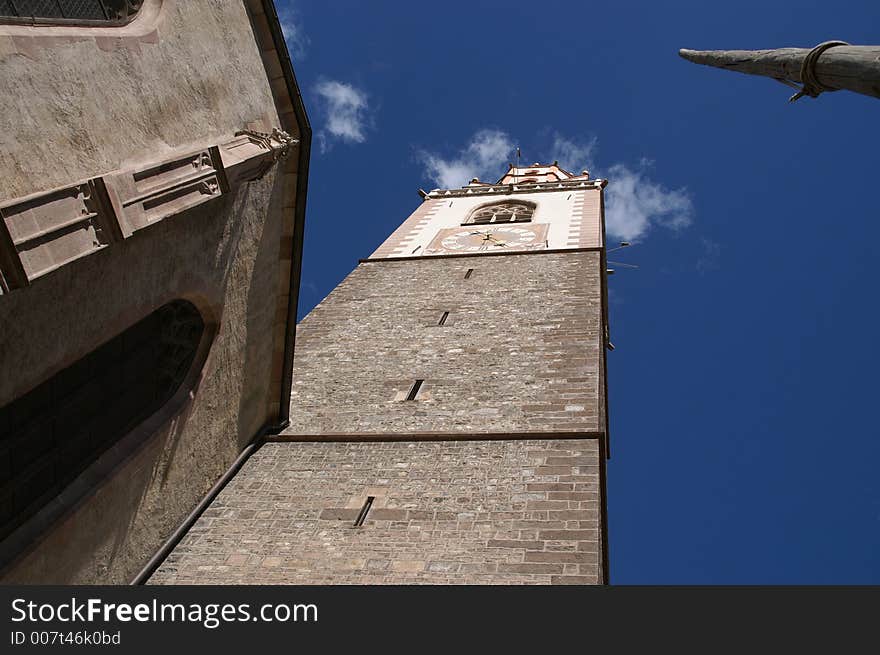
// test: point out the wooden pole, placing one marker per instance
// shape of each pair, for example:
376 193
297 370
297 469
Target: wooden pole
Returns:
830 67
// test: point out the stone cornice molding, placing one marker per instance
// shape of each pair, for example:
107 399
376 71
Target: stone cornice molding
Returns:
508 189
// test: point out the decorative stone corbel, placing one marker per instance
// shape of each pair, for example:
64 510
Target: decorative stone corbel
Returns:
252 153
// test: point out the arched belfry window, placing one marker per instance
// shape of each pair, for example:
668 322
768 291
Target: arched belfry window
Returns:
114 12
502 212
51 434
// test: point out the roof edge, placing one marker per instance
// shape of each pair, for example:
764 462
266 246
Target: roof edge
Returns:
304 153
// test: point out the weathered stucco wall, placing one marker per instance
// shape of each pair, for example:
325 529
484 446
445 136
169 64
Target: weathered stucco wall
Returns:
521 349
76 107
80 106
222 256
445 512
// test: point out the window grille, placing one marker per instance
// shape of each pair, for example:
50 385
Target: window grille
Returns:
51 434
503 212
116 12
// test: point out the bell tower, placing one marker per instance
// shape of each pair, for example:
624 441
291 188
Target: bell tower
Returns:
535 208
448 413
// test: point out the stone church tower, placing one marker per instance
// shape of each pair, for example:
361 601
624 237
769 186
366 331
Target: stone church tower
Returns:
448 413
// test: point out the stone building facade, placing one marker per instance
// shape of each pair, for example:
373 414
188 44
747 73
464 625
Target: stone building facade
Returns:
154 158
448 411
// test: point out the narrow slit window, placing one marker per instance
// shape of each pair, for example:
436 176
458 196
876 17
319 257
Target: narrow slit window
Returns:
362 515
468 274
443 318
414 390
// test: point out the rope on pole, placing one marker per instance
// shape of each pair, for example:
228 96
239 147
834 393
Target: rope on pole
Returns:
811 86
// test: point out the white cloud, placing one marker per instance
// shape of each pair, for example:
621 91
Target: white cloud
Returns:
345 109
485 156
634 203
291 26
573 156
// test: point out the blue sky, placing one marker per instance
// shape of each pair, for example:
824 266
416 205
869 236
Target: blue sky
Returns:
743 387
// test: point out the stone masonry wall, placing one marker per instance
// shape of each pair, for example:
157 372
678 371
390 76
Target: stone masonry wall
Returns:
521 349
520 356
456 512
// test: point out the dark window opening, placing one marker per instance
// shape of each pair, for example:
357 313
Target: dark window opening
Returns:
362 516
54 432
117 12
443 318
414 390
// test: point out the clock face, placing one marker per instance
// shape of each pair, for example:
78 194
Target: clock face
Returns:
488 238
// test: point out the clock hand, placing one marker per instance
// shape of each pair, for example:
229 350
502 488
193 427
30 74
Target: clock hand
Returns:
487 236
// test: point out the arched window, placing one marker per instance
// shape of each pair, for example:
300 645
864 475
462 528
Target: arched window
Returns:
502 212
51 434
115 12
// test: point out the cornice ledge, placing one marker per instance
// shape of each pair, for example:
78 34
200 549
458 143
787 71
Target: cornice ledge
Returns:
507 189
86 216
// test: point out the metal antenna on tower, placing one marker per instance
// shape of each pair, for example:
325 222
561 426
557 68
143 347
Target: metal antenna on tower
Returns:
623 244
516 169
